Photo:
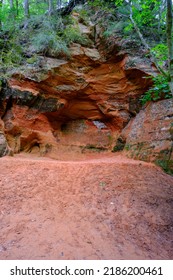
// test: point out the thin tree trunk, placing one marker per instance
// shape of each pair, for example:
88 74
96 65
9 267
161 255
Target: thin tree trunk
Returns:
26 8
1 3
69 7
59 4
11 4
51 8
170 43
12 8
17 7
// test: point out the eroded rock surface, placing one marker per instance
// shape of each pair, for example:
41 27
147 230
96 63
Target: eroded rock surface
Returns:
3 145
149 136
54 105
4 148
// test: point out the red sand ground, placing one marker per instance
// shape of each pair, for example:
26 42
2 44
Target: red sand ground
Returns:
109 207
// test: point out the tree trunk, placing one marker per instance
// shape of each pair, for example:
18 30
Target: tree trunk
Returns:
71 4
50 9
170 43
161 8
1 2
12 8
26 8
17 7
11 4
59 4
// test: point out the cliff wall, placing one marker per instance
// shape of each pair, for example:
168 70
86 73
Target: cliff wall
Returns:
81 103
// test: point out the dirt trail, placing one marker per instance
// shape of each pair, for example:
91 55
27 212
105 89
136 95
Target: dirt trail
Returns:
109 207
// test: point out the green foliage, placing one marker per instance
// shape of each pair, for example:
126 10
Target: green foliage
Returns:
149 15
41 23
52 35
72 34
116 27
167 166
120 144
32 59
9 16
128 29
102 4
164 160
96 3
11 54
127 147
94 148
119 3
83 16
159 90
49 44
161 53
38 35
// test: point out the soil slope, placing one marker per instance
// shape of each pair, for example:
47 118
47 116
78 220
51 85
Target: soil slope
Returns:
107 207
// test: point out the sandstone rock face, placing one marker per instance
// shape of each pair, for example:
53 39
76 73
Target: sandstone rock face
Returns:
4 149
149 136
3 145
81 103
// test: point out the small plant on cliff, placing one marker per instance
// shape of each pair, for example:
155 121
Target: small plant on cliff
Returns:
50 44
161 53
115 27
159 90
73 35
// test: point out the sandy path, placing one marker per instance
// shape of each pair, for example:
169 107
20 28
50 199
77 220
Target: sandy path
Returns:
104 208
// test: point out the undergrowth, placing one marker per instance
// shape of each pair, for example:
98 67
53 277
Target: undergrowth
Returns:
20 43
159 90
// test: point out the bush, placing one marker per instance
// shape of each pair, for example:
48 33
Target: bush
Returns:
49 44
51 37
160 51
159 90
11 54
117 27
73 35
41 22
